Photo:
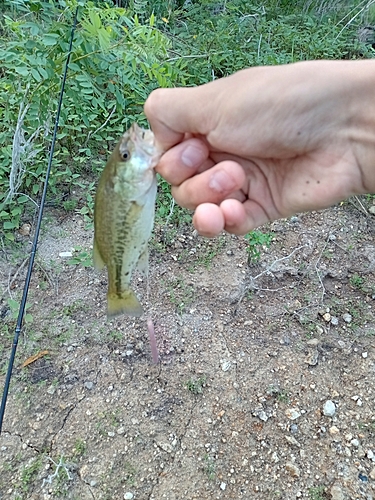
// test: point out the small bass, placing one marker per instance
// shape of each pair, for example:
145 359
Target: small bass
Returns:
124 216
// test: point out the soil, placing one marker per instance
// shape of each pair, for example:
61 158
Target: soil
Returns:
265 386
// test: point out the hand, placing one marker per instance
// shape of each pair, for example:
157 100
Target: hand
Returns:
267 142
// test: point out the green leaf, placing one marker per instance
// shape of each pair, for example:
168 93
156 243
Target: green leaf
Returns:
95 19
50 39
9 225
22 70
36 75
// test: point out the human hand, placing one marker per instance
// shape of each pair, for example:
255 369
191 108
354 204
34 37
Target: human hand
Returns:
267 142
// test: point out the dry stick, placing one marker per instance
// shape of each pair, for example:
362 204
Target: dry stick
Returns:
11 281
252 285
359 203
317 270
101 126
356 15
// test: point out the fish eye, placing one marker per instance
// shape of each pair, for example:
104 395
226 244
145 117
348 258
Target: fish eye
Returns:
125 155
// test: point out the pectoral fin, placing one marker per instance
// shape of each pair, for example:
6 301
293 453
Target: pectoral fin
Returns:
124 303
97 258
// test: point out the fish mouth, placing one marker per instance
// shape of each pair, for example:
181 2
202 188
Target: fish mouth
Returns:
143 140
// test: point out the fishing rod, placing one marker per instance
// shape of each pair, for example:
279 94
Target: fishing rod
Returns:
37 230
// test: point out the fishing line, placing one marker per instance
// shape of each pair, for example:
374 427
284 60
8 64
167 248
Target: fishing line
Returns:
36 236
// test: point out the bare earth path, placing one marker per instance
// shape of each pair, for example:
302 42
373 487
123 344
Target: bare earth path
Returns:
265 388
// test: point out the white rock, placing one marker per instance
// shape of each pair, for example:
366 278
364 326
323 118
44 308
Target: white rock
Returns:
128 496
334 321
327 317
329 408
370 454
347 317
223 486
364 355
354 442
225 365
372 474
65 255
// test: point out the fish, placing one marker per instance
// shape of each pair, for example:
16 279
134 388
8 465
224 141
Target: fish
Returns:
124 216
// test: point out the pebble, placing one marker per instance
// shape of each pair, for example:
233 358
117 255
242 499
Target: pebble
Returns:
292 469
312 358
313 342
327 317
329 408
225 365
347 317
364 355
370 454
223 486
372 474
336 492
128 496
65 255
334 430
89 385
334 321
372 210
292 413
354 442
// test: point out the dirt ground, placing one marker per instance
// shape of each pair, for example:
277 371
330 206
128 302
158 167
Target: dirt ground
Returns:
265 387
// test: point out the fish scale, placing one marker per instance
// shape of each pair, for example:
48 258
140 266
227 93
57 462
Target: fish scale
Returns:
123 217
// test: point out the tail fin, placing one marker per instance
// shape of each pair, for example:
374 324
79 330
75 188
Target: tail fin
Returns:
126 302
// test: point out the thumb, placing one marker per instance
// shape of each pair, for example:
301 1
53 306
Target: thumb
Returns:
172 113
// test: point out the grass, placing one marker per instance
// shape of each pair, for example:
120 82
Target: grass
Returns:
317 493
195 386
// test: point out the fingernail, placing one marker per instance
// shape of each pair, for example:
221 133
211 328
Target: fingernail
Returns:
221 182
192 157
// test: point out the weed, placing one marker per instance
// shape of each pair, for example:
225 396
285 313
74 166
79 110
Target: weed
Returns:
69 205
317 493
196 385
29 472
81 257
256 240
79 448
209 467
14 306
356 281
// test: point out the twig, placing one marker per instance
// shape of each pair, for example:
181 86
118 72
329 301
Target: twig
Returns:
356 15
259 43
101 126
359 203
317 270
60 465
252 285
11 281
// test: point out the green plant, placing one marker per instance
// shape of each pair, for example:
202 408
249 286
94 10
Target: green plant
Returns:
79 448
209 467
356 281
14 306
30 471
317 493
256 240
81 257
196 385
